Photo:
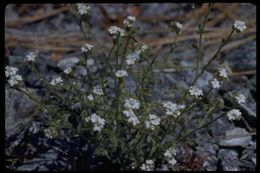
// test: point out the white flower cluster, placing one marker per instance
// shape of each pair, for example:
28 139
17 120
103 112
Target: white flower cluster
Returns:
86 48
132 118
98 90
152 122
241 99
172 108
129 21
56 81
144 47
239 26
131 58
176 26
48 134
97 121
10 71
234 114
90 97
169 155
223 73
14 79
116 31
148 165
30 57
131 104
83 8
121 73
68 70
195 91
215 83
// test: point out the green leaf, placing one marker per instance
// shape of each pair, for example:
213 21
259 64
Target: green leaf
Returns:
101 151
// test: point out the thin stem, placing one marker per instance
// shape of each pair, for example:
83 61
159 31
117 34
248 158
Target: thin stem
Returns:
199 49
201 127
145 75
214 56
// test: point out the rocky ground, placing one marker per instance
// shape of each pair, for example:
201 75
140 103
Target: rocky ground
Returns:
51 29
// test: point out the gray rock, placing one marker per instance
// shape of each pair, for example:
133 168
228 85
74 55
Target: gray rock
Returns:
243 58
43 168
50 155
219 127
28 167
236 137
229 160
16 107
208 150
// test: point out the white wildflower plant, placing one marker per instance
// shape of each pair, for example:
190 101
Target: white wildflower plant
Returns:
195 91
116 32
234 114
87 48
83 9
30 57
121 73
115 105
148 165
152 122
240 98
239 26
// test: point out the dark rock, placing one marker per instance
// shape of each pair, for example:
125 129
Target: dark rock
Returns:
16 107
243 58
236 137
229 160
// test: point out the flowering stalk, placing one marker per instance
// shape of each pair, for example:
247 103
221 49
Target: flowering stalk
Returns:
148 69
224 42
201 31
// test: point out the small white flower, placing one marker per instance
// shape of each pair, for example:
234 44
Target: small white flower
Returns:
131 58
172 109
195 91
129 21
83 8
56 81
90 97
121 73
10 71
144 47
153 121
172 161
30 57
223 73
48 133
148 165
241 99
98 90
176 26
97 121
14 80
86 48
131 103
169 153
234 114
116 31
239 26
68 70
132 118
215 83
